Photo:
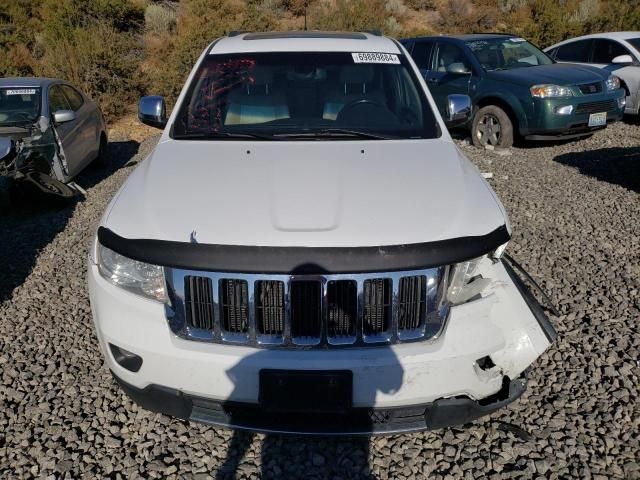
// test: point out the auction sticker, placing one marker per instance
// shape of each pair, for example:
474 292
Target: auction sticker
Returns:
22 91
373 57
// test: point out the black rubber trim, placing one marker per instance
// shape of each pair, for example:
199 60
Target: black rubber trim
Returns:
442 413
303 260
532 303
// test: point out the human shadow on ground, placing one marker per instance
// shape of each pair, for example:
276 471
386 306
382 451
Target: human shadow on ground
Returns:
28 227
619 166
283 456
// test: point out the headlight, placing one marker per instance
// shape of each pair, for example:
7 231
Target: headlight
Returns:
613 83
550 91
137 277
461 274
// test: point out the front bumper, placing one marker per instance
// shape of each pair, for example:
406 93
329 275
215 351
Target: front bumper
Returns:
402 387
545 124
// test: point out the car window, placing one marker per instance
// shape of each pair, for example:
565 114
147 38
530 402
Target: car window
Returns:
422 54
635 42
305 93
450 58
73 96
574 52
604 50
19 104
506 53
57 100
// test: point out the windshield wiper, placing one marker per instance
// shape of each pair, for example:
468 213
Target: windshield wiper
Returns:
217 135
336 132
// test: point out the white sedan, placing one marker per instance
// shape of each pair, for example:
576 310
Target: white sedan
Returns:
616 52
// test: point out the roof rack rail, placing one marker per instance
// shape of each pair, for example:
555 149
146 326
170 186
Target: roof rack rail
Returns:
235 33
375 31
494 33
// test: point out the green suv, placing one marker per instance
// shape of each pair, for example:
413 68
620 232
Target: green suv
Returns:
516 89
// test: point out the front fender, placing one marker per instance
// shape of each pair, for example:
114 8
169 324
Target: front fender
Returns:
520 106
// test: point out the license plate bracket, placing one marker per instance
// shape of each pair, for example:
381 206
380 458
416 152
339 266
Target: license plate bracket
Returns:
306 391
598 119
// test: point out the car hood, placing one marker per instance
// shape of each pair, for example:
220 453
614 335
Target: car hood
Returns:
557 73
311 194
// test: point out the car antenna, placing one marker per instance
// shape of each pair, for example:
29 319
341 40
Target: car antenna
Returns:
306 3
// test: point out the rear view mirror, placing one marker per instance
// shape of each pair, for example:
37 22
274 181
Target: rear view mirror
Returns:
622 59
152 111
458 108
64 116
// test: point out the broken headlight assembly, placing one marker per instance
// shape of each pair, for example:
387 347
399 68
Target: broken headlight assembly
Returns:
464 285
132 275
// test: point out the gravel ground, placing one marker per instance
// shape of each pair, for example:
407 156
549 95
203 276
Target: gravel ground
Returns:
575 210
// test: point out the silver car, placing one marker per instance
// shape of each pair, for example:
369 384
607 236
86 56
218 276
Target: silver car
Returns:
616 52
56 129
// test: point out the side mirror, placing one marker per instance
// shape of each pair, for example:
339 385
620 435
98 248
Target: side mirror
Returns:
622 59
458 68
152 111
6 145
64 116
458 108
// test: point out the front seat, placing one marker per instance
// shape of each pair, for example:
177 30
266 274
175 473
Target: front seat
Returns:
256 101
356 83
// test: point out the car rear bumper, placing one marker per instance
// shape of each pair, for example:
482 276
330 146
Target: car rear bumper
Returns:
417 385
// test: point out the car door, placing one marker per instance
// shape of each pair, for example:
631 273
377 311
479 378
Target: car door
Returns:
421 54
87 128
604 51
450 72
67 132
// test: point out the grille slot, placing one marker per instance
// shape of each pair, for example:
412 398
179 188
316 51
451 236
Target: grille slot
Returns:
306 310
377 306
234 305
590 88
596 107
412 302
342 315
199 309
270 308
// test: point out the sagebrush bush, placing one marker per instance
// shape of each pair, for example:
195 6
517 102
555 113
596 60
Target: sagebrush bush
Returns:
100 61
159 20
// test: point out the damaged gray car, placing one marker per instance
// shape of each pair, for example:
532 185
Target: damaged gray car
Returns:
49 132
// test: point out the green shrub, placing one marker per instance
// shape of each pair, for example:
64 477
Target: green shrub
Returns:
100 61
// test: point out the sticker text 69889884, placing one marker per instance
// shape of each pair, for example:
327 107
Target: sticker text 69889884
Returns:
373 57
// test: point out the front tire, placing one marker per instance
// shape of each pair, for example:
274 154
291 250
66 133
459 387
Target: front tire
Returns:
492 127
102 158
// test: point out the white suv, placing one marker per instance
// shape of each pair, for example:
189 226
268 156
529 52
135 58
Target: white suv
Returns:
307 251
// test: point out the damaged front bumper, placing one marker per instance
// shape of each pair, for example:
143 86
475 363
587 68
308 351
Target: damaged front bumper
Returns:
473 368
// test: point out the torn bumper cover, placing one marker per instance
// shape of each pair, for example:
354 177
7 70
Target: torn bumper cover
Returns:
442 413
473 368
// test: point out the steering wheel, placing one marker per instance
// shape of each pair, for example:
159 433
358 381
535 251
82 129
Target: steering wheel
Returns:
24 115
365 102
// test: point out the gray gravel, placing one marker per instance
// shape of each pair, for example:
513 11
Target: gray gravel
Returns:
575 210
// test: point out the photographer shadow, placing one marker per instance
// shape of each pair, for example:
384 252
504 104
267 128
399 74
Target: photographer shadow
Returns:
296 456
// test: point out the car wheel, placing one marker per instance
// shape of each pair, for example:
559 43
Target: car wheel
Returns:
46 188
492 126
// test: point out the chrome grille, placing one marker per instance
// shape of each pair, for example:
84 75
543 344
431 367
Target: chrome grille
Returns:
270 307
307 311
199 302
235 303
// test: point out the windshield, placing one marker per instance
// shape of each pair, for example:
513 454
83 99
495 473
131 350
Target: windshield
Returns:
293 95
19 105
507 53
635 42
